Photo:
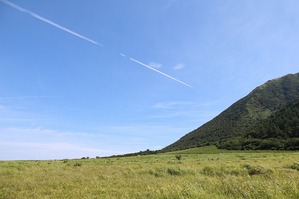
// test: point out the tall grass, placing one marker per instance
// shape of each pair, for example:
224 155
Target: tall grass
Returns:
198 175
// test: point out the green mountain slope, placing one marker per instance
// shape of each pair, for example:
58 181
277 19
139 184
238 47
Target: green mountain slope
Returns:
282 124
242 116
279 131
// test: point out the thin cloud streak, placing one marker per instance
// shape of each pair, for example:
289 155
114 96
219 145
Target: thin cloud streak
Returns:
147 66
123 55
170 105
83 37
50 22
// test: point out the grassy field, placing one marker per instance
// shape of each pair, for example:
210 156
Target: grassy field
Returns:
201 173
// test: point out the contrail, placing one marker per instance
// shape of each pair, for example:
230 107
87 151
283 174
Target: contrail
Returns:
139 62
50 22
84 38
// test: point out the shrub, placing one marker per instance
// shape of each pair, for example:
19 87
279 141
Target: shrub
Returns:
259 171
247 166
178 157
78 164
212 171
172 171
295 166
256 171
158 172
209 171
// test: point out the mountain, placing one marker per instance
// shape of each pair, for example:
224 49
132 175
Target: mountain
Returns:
244 116
282 124
279 131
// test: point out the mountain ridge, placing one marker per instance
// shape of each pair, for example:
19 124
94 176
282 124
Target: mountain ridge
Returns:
236 120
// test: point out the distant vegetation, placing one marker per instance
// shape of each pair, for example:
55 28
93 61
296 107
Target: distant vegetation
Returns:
267 118
146 152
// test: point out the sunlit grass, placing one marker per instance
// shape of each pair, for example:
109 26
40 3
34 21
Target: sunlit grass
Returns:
201 173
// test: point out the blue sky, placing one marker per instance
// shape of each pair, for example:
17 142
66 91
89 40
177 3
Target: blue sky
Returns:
64 96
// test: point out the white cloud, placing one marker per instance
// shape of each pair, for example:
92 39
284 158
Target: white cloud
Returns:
155 65
53 150
162 105
43 144
170 105
179 66
26 144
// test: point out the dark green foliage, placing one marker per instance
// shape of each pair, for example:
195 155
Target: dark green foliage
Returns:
282 124
292 144
295 166
240 127
146 152
259 144
178 157
278 132
78 164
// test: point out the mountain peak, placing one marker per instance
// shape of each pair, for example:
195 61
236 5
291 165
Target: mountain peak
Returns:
236 120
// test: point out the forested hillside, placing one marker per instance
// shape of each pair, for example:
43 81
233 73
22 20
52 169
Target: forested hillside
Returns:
243 118
279 131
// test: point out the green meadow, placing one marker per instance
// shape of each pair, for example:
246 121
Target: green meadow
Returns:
200 173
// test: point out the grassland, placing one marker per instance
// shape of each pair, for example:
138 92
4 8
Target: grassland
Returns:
201 173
